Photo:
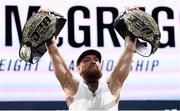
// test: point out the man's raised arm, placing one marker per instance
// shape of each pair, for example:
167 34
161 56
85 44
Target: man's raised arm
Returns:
122 67
62 72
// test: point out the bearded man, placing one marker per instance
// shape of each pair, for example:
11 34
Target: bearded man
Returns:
92 92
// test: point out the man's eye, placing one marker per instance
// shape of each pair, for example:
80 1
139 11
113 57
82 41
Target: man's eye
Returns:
96 60
86 60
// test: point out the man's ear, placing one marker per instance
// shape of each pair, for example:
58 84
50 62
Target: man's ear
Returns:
78 70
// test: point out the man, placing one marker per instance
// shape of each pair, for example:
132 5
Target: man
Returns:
92 93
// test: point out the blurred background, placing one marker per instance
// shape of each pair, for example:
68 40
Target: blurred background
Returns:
153 83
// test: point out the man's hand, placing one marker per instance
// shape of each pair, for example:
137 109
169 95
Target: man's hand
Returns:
130 43
51 43
43 9
132 8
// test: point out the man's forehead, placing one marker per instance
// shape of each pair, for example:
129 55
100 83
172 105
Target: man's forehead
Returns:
89 56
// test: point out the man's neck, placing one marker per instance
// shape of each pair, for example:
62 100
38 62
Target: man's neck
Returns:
92 85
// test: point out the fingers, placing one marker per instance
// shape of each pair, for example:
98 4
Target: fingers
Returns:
131 8
130 39
43 9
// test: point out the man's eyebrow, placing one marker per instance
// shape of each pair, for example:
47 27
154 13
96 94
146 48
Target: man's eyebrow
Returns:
86 58
96 57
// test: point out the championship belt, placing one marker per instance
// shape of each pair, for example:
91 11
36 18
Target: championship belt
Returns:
139 24
39 28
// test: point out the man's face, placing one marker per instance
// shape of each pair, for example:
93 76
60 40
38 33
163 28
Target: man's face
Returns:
89 68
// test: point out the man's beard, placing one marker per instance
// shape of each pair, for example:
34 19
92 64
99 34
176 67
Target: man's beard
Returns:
91 75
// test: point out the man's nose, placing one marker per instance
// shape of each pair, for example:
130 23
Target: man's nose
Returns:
93 62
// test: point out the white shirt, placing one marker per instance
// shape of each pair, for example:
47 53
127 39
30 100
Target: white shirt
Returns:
84 99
